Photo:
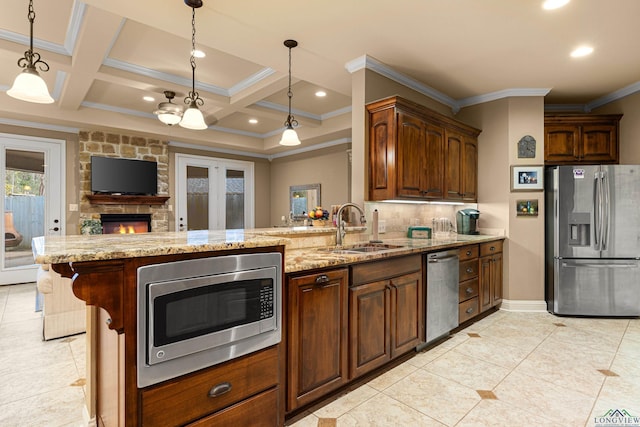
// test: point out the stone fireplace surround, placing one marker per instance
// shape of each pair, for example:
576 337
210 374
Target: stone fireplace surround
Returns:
128 147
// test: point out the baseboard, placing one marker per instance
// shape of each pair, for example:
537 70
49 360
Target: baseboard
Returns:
90 421
524 305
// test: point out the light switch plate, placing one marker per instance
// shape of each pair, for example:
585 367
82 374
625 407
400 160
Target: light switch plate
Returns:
382 226
73 207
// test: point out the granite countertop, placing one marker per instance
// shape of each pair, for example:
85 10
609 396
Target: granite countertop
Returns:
312 258
78 248
74 248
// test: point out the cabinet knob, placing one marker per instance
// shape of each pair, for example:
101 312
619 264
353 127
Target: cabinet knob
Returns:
469 270
469 310
468 253
492 248
322 279
220 389
469 290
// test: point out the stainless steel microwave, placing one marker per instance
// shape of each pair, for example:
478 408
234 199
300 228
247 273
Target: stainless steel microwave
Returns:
197 313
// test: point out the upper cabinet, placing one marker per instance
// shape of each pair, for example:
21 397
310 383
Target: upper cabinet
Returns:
587 139
418 154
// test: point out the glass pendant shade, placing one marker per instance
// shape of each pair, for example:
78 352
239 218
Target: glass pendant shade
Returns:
29 86
193 118
169 118
290 137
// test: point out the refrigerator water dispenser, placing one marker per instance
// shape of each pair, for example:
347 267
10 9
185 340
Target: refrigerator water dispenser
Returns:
579 229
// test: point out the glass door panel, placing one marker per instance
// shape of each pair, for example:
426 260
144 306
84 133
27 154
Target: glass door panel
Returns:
31 201
197 198
234 200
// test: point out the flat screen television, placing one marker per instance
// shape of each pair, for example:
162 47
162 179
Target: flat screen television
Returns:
123 176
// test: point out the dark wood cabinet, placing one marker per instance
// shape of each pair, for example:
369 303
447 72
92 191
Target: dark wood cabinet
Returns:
468 292
410 157
317 335
490 275
461 167
386 310
586 139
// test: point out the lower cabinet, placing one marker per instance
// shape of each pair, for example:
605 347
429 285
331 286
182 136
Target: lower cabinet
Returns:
468 292
480 279
191 399
317 327
490 275
386 311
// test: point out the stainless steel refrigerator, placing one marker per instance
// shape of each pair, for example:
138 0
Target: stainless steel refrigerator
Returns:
592 240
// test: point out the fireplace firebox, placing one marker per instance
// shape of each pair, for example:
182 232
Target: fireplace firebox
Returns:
125 223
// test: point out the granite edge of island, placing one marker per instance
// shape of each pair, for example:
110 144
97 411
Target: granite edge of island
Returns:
78 248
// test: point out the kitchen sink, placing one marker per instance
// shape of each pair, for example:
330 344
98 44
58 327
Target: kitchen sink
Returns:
361 248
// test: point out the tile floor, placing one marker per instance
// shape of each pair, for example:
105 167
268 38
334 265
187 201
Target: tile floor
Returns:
509 369
41 382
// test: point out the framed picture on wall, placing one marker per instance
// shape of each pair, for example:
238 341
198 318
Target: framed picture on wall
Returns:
527 178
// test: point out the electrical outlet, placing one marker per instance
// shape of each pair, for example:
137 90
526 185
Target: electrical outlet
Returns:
73 207
382 226
170 207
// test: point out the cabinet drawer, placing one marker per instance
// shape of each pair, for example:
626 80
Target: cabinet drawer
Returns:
468 309
258 411
186 399
468 270
490 248
468 252
468 289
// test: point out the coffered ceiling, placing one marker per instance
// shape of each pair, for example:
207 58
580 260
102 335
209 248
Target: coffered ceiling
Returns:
105 56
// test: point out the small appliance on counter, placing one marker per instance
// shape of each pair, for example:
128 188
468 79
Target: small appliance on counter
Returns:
467 220
419 232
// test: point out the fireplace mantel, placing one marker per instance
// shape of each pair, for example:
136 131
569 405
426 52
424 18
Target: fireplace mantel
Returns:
112 199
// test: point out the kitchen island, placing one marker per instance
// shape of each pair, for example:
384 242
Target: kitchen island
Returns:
104 271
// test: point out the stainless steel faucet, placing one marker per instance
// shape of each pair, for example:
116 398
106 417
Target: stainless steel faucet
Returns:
340 233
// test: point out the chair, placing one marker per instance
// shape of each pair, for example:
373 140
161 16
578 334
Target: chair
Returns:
63 313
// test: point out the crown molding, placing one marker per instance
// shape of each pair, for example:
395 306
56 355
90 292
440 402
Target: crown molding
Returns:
373 64
258 155
370 63
39 125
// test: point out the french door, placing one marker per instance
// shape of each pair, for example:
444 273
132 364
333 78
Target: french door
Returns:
213 194
32 200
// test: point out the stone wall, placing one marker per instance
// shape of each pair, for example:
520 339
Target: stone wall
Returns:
126 147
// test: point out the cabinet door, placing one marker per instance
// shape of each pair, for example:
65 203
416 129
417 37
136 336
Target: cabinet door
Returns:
496 280
453 176
469 169
382 154
599 143
433 166
317 335
485 283
561 143
410 150
407 321
369 326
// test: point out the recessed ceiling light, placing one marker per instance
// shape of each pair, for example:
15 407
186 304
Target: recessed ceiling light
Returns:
148 98
554 4
582 51
321 93
253 121
198 53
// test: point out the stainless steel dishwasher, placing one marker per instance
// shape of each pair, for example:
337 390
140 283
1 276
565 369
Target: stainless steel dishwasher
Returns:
442 294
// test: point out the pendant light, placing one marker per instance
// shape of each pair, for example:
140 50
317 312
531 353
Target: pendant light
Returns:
29 86
168 112
290 137
193 118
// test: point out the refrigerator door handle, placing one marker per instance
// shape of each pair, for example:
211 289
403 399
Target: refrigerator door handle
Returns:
578 264
596 211
606 211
